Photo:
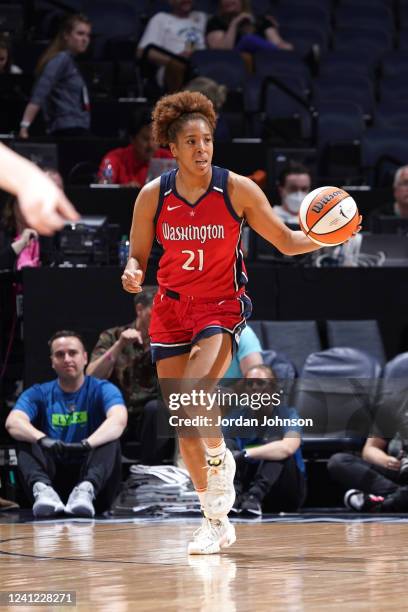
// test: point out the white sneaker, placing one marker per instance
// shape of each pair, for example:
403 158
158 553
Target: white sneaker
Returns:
80 500
211 536
47 501
220 494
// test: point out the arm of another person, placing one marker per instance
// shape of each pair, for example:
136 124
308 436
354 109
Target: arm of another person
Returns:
20 428
42 89
111 428
43 205
276 450
107 351
374 451
250 202
141 236
224 39
153 35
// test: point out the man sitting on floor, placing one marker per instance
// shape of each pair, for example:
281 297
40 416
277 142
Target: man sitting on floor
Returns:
69 431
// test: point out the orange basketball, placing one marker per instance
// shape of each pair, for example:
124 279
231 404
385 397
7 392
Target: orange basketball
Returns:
328 216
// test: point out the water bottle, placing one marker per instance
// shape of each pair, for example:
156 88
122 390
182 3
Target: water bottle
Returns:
123 251
107 173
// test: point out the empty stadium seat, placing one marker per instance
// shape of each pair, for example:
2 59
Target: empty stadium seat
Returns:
112 21
295 339
383 151
347 60
337 390
371 15
339 122
225 67
284 371
392 114
394 64
364 335
392 403
280 62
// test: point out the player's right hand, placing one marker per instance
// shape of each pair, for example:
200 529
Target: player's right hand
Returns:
131 280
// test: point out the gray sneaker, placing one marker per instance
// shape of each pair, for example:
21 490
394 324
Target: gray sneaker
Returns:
47 501
80 500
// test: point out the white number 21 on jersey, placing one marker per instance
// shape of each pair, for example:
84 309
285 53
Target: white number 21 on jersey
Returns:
193 255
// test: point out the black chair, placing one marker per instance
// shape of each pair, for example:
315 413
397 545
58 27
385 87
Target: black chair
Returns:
392 404
336 390
225 67
284 371
295 339
383 151
364 335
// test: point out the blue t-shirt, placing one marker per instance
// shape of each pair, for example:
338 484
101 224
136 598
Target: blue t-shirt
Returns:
256 435
248 343
69 417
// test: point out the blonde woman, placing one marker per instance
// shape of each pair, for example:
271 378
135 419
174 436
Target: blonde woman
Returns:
60 91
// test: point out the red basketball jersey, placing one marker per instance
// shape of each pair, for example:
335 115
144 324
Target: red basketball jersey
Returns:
201 241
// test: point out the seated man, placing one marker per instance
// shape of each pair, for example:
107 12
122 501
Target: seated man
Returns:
122 354
270 474
294 184
130 165
69 432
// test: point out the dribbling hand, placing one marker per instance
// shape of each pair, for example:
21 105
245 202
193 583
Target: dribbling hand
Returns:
131 280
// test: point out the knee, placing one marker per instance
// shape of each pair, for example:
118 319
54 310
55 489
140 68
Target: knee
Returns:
337 462
152 408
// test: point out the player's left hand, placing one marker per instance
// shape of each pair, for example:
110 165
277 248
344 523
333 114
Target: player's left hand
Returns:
359 226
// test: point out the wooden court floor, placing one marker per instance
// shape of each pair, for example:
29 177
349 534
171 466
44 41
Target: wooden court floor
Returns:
133 566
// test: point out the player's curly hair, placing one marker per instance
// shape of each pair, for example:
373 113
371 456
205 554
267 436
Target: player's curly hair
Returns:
172 111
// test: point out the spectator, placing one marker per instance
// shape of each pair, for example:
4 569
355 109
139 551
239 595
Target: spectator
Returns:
122 355
246 357
294 184
60 91
20 245
6 63
398 208
377 481
270 469
69 432
129 165
217 94
235 27
175 37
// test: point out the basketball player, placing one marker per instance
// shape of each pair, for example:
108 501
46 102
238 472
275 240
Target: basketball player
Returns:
197 213
43 205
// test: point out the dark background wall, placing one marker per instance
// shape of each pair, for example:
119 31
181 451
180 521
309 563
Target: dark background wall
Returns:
90 300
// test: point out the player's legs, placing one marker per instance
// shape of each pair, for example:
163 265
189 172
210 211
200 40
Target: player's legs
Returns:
208 360
211 467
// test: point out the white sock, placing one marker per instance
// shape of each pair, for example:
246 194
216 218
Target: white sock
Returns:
201 495
217 450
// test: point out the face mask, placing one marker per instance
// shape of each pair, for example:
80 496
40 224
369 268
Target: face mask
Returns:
294 200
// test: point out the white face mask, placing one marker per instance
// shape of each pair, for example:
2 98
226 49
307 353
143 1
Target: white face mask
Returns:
294 200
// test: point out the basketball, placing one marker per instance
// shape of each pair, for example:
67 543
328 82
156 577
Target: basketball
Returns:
328 216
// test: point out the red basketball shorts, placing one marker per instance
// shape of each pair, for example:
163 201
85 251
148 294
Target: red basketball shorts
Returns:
178 322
